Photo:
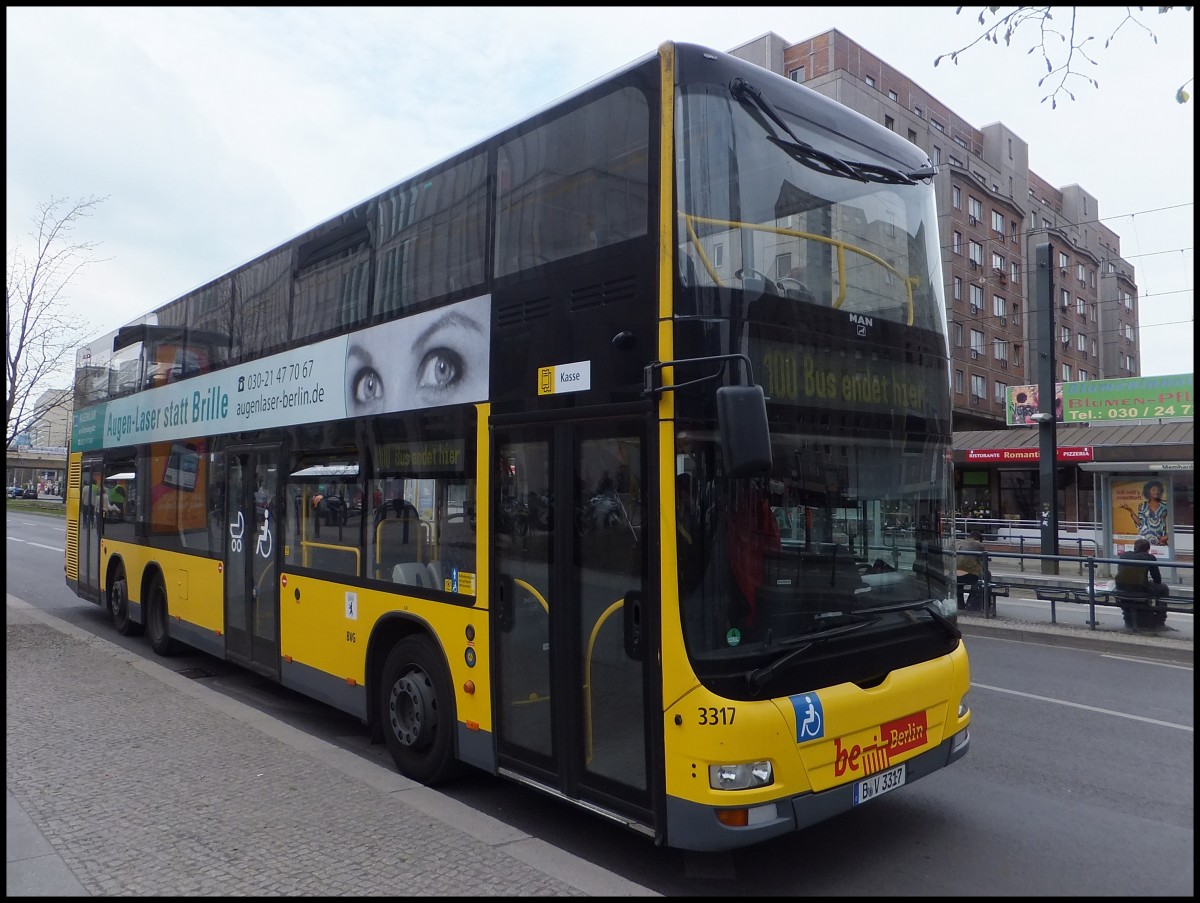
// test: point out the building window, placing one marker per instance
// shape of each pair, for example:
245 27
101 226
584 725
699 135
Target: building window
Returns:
797 74
1081 343
976 298
958 288
956 197
937 156
978 386
958 382
1000 396
783 263
917 109
976 253
956 333
937 125
1066 373
999 308
1064 335
974 209
870 80
976 343
998 263
957 243
998 223
954 161
912 136
1083 374
892 95
1016 313
889 122
1014 272
1000 350
718 255
1081 307
1063 261
1046 224
1066 298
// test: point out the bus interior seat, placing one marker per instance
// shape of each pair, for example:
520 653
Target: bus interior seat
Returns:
435 574
413 573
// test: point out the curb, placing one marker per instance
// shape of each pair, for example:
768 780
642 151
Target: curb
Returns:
1149 646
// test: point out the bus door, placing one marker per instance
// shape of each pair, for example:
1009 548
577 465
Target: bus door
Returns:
571 618
252 535
90 482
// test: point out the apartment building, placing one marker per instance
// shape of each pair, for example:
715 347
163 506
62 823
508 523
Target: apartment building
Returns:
995 212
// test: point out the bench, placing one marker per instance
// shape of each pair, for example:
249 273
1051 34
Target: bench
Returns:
995 588
1153 610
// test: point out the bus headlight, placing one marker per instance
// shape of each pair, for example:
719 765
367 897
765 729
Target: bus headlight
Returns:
742 776
963 706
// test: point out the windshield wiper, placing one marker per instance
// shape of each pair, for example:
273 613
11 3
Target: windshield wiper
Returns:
928 605
820 160
757 677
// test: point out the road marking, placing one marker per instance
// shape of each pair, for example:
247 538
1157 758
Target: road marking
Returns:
1086 708
37 544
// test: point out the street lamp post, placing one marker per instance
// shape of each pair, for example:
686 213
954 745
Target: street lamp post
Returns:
1047 435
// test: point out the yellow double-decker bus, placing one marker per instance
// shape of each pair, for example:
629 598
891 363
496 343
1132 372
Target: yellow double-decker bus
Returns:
609 455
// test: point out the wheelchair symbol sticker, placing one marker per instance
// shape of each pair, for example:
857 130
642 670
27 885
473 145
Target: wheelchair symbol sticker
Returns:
810 717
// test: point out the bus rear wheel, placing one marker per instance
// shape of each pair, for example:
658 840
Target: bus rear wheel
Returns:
416 711
118 605
158 623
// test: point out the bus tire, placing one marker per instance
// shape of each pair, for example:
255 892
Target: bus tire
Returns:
158 622
416 711
118 604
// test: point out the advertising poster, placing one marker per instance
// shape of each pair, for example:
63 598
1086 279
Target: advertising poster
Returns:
1141 509
1023 402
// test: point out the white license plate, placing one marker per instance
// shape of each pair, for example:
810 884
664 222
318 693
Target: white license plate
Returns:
878 784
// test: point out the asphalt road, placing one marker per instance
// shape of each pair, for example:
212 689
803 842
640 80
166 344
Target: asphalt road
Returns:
1080 778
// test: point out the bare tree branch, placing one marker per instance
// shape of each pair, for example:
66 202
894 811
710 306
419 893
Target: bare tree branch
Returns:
1060 61
42 332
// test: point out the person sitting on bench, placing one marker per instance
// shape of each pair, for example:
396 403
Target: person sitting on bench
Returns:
1140 579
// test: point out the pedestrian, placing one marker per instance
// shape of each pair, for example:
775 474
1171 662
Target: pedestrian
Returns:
1144 583
969 567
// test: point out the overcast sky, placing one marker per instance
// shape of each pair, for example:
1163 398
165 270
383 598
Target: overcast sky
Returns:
216 134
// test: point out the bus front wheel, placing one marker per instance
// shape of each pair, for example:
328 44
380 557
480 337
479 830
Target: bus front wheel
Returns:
417 711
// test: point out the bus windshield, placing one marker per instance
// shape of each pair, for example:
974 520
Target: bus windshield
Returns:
816 256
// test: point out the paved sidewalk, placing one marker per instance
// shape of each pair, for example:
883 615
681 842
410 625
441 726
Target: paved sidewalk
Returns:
119 785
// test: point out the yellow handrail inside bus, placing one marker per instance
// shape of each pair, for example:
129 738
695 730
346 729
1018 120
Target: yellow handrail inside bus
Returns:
533 592
587 674
910 282
306 544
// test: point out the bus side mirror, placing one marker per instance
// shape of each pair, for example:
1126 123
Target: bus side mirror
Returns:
745 436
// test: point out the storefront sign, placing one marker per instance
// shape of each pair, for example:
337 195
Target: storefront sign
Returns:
1107 400
1071 453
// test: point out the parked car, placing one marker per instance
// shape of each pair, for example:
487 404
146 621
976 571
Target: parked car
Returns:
15 492
30 493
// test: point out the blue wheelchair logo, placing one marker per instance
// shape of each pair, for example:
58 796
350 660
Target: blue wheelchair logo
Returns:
810 717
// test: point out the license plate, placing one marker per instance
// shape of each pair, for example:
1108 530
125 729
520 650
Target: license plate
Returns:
878 784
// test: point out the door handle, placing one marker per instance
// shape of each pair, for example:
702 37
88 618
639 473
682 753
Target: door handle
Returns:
634 626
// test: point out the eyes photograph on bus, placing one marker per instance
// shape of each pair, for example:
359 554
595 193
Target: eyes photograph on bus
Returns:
434 358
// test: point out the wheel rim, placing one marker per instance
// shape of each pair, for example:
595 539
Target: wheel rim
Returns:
118 599
411 710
